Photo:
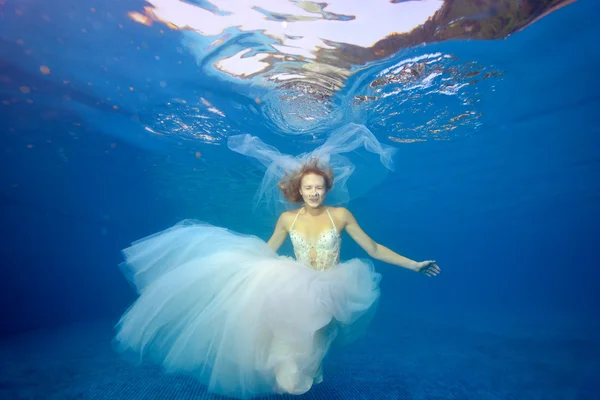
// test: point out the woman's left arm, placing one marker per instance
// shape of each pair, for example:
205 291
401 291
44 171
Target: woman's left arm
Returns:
382 253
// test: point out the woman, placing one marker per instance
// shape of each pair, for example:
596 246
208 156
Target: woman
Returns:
243 320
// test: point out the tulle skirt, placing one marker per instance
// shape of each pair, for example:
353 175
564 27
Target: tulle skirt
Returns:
227 309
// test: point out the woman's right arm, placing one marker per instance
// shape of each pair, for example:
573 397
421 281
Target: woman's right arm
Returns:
279 234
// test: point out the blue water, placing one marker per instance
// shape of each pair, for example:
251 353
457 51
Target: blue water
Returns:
506 201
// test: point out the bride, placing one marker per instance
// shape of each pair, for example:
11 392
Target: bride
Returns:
227 309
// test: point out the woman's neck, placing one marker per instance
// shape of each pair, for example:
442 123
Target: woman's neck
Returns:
315 212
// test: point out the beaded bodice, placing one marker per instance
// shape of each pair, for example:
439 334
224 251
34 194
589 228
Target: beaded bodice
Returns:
321 255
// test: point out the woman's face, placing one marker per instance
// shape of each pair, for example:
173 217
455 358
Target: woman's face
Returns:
313 190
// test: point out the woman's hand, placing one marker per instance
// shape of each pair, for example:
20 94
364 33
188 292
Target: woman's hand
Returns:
429 268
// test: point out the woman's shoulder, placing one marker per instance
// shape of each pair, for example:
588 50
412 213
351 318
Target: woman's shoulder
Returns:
341 211
341 214
340 217
289 214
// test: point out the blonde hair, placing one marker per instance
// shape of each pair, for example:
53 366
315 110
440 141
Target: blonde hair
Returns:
290 184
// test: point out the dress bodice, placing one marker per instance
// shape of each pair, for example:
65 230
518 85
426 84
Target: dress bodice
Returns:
321 255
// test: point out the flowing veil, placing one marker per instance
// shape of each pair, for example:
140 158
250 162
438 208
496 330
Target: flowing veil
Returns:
356 172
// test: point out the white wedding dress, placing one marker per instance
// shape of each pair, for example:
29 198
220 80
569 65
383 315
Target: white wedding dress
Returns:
227 309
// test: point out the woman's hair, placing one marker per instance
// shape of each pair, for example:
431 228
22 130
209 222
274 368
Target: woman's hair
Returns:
290 184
